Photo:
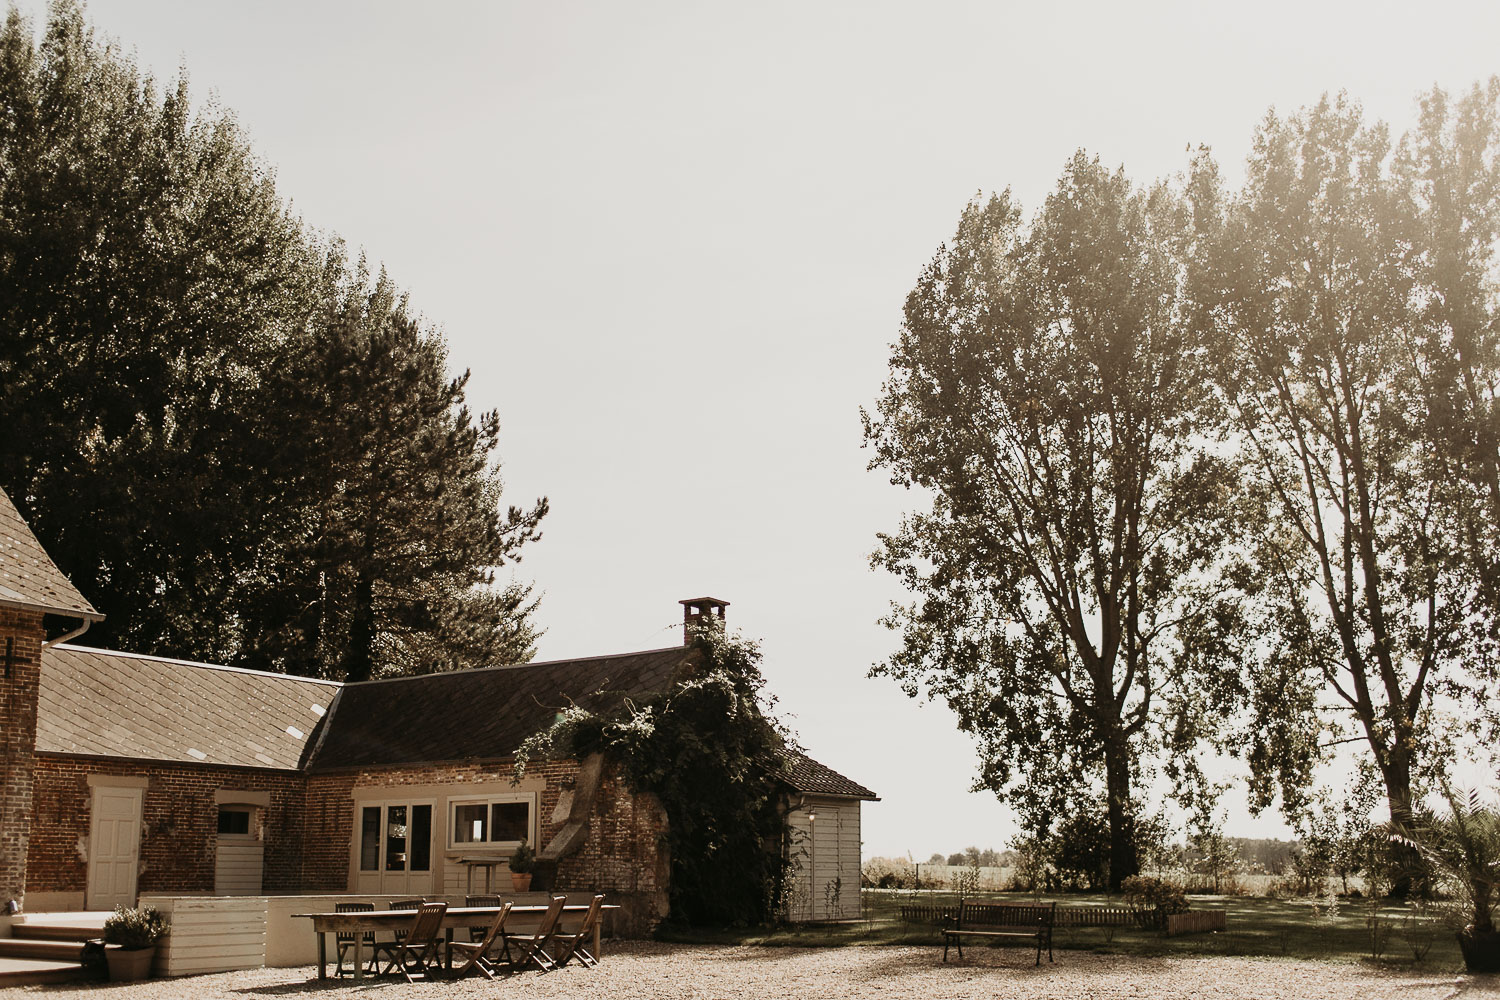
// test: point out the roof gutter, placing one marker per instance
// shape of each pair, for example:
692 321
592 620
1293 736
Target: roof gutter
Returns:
69 635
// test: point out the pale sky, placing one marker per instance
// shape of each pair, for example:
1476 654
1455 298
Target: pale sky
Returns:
672 243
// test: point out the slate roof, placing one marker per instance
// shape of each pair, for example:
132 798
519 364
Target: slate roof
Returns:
101 703
28 577
804 774
479 714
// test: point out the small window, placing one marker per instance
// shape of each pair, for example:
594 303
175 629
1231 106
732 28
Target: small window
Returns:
495 821
234 821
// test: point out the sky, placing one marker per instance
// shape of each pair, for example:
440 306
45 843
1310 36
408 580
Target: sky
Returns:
671 242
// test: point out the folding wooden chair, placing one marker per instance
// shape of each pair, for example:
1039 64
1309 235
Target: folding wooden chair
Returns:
532 948
477 950
344 940
389 947
475 933
573 945
421 947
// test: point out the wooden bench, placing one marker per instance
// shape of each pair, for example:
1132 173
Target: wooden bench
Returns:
1027 922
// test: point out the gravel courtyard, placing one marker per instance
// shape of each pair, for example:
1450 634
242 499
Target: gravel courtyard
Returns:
652 970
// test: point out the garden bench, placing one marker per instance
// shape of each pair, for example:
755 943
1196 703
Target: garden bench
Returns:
998 921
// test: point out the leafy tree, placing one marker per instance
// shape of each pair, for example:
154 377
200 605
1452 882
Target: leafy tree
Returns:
401 522
710 750
1320 283
236 446
149 276
1046 393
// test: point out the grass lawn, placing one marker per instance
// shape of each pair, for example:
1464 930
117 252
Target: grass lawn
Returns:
1275 928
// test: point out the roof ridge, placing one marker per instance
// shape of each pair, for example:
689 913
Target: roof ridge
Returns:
195 663
470 671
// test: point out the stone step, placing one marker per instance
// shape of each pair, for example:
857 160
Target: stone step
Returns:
57 931
37 972
41 949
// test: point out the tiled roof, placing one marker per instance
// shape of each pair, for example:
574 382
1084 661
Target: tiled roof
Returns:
479 714
28 576
107 704
99 703
804 774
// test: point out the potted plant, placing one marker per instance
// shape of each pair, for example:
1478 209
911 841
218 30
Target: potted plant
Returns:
134 933
522 861
1463 850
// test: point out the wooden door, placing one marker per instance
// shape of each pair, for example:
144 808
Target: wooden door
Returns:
114 847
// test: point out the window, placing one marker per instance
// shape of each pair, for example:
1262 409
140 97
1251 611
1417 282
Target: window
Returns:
395 838
234 821
493 821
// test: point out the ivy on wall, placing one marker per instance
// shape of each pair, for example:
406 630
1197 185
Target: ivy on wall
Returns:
709 750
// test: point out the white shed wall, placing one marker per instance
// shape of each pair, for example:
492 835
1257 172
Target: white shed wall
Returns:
825 852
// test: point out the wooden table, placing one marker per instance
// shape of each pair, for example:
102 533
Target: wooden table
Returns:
456 916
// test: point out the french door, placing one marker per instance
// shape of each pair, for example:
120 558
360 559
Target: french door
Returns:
394 848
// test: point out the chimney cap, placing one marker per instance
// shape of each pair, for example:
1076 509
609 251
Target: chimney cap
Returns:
704 600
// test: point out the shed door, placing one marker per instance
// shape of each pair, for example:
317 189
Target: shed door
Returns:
114 847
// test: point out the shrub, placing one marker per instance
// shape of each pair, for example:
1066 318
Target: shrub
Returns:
135 927
1152 900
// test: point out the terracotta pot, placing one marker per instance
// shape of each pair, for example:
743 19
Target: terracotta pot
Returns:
520 881
1481 950
126 964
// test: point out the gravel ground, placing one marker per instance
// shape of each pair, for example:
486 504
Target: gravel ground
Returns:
652 971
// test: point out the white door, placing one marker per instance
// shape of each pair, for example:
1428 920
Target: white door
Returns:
114 847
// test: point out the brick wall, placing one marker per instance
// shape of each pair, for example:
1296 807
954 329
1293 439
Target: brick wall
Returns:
179 824
624 855
18 701
309 827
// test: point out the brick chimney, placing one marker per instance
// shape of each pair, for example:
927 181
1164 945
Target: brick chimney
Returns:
700 609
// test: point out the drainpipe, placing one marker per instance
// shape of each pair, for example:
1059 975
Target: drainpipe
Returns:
69 635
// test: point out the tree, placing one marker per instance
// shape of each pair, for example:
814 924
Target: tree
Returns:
1320 285
1045 392
400 527
149 277
238 447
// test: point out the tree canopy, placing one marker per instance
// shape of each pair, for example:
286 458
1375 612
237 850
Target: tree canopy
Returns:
1046 394
1349 290
236 443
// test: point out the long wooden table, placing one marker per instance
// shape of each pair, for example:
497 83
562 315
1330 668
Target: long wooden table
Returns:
456 916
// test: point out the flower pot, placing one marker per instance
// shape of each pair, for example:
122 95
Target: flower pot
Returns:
1481 949
126 964
520 881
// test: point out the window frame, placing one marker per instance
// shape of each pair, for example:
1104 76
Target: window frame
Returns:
384 807
489 802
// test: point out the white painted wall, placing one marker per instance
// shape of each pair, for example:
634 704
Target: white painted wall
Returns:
826 852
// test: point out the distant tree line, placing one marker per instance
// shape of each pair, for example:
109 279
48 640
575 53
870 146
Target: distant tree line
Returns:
1211 471
238 444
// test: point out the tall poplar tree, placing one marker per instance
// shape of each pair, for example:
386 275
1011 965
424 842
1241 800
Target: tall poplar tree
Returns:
1046 394
1352 313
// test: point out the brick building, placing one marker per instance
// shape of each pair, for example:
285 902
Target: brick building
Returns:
128 774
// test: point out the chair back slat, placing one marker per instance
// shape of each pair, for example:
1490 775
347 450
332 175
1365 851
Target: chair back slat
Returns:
551 917
592 916
342 936
428 922
404 904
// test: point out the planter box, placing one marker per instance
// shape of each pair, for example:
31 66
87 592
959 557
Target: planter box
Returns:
1195 922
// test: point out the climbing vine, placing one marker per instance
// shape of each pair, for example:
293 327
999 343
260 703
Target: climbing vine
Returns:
709 749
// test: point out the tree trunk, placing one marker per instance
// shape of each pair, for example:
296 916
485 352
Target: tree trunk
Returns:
1123 860
359 661
1406 862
